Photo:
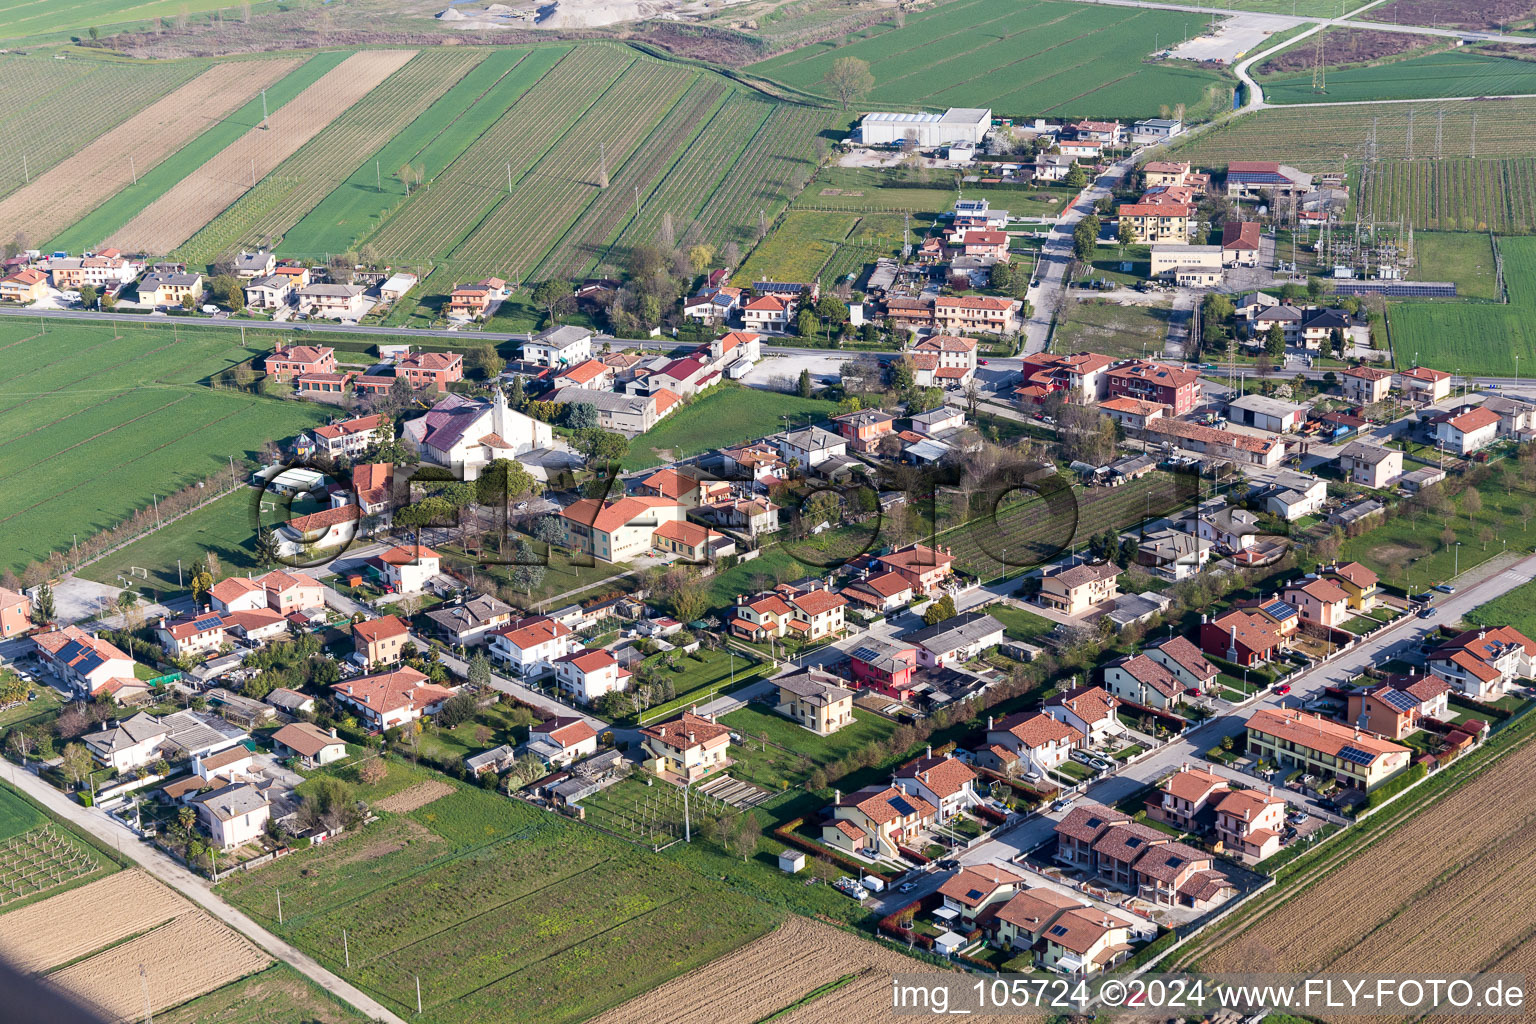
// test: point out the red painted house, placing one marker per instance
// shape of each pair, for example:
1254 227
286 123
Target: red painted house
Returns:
431 369
295 360
884 666
1153 382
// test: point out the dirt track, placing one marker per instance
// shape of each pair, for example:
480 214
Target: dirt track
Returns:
72 924
202 195
65 193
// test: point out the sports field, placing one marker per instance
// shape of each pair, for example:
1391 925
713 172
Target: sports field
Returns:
96 420
1323 138
1032 57
1474 337
728 414
1455 73
502 911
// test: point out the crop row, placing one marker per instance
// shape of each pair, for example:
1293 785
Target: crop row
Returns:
1455 195
44 119
649 164
325 161
447 208
688 185
517 233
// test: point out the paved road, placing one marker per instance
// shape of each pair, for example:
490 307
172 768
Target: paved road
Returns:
196 889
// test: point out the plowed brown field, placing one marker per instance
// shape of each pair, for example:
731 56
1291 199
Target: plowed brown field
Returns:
412 797
202 195
74 923
184 959
62 195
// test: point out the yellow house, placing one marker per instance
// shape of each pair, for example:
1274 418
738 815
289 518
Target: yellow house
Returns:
1357 582
1322 747
1085 941
689 747
26 286
1157 222
876 820
1022 921
620 530
815 700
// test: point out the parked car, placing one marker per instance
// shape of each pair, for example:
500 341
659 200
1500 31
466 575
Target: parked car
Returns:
1424 598
1296 817
906 887
947 864
1061 804
1283 689
1425 613
1446 588
1082 757
1288 834
1192 691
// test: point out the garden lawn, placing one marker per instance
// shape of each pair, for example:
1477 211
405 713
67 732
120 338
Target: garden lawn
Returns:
154 182
1361 624
699 680
727 414
460 742
756 720
1020 624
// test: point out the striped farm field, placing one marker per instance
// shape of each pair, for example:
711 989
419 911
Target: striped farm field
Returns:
433 222
66 192
432 142
297 184
96 419
1456 194
44 20
155 182
589 236
567 178
193 202
43 119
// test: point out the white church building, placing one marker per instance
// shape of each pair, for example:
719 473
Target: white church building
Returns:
465 435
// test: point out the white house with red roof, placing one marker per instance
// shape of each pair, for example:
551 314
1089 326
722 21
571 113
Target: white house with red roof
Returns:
943 361
193 635
318 531
1141 680
1249 823
407 568
389 699
971 890
1088 709
86 662
1463 433
805 615
1485 663
877 820
587 675
352 437
1036 741
1179 655
562 741
925 568
880 591
945 782
530 646
1421 384
770 314
591 375
688 747
617 531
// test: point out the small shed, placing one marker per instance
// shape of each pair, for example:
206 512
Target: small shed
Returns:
948 944
791 861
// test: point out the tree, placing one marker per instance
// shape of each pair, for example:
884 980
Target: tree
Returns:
746 835
77 763
1336 342
938 611
903 373
200 583
405 176
1125 234
921 400
601 445
1077 177
1471 502
266 548
832 309
1085 238
373 771
806 323
1447 537
1274 342
581 415
43 609
548 295
804 387
690 598
849 78
479 669
87 295
700 257
188 302
487 360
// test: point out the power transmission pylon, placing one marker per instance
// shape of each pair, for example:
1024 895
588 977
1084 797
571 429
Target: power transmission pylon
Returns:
1319 73
1473 152
1408 147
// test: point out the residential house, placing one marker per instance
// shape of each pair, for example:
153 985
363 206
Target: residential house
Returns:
1294 495
625 414
1137 858
394 289
1081 149
1177 389
312 745
497 760
592 375
864 429
754 517
431 370
1264 413
805 615
562 740
473 301
980 242
617 531
1249 823
956 314
1516 418
128 744
938 423
1244 638
1186 799
1365 385
388 699
881 591
1370 465
530 646
351 438
104 273
815 700
1141 680
712 305
471 620
1421 384
233 815
1291 738
972 890
688 747
170 288
559 346
877 821
192 636
297 276
809 447
691 542
944 361
770 314
293 360
955 640
407 570
1088 709
1184 660
1243 449
681 486
1173 554
1081 376
334 301
1240 243
1028 743
86 662
15 614
925 568
251 265
1156 222
25 286
332 384
1319 327
1484 663
1230 529
1358 583
1397 707
587 675
944 781
1078 589
1020 924
379 641
1264 180
1465 432
885 666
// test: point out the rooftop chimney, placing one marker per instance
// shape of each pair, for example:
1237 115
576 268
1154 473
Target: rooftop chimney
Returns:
837 796
930 750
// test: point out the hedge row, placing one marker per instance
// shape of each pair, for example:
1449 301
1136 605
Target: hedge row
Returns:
1395 785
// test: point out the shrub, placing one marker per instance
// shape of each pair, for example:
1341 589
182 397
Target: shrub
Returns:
1395 785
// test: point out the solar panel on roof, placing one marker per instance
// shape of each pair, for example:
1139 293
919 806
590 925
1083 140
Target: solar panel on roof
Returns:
1354 755
865 653
208 623
1399 700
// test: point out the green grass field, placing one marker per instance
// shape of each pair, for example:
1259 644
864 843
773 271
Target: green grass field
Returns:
729 414
154 182
34 21
1477 338
1454 73
222 527
432 141
1515 608
1020 624
799 247
505 912
1465 257
95 420
16 815
42 120
1105 326
278 995
755 721
1033 58
697 682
